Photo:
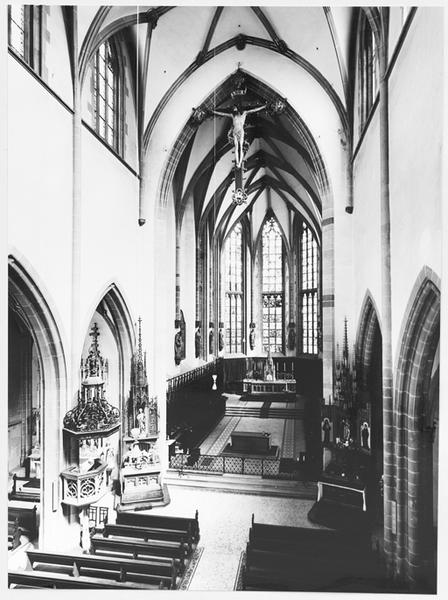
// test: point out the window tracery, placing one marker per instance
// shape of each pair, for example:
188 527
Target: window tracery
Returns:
272 287
368 71
24 33
233 311
106 94
308 290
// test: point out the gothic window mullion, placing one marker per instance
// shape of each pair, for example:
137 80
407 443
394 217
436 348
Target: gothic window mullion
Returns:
234 290
308 291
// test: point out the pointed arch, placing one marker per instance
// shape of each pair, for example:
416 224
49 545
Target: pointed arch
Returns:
419 340
28 301
367 327
271 215
111 305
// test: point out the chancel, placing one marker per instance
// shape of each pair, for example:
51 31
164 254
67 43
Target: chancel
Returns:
224 265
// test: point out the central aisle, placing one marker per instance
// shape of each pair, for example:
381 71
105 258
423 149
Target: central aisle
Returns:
224 520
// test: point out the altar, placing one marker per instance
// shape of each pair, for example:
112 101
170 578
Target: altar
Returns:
276 387
266 380
251 442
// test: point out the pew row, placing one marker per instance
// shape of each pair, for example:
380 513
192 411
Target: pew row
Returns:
139 549
154 573
13 534
189 525
26 520
37 579
26 494
148 533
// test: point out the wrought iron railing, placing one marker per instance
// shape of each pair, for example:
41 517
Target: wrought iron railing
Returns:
235 465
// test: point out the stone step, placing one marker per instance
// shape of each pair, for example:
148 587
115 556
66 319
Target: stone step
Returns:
270 413
242 484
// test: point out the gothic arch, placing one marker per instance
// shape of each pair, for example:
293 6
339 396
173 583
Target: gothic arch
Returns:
27 300
367 327
257 244
414 484
113 308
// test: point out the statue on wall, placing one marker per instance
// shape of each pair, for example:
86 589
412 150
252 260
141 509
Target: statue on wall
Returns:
141 421
326 429
178 345
211 339
252 336
365 435
220 337
292 336
197 341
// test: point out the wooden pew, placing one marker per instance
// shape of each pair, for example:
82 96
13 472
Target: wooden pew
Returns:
305 538
302 534
140 549
27 520
38 579
27 494
13 534
157 573
271 571
190 526
307 547
147 533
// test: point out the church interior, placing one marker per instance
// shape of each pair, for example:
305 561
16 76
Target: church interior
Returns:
224 262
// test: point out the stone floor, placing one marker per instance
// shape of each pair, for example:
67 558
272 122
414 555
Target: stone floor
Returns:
224 520
287 434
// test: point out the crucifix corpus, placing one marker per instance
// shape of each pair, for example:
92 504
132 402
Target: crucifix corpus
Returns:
237 131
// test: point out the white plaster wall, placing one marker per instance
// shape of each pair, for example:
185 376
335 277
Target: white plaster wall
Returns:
188 280
56 62
366 222
109 229
416 117
39 188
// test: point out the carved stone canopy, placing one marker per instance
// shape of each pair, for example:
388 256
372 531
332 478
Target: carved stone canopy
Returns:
93 415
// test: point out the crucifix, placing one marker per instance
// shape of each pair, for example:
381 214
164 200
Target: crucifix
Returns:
236 133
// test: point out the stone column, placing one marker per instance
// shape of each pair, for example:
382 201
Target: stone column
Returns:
327 323
386 329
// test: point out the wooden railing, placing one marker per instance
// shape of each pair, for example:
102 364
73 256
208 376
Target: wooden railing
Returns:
179 381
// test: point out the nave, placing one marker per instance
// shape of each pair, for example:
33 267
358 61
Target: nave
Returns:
223 268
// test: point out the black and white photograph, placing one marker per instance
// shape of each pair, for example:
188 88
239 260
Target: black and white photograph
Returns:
223 261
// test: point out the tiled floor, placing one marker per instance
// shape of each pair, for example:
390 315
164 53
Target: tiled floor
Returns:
224 520
287 434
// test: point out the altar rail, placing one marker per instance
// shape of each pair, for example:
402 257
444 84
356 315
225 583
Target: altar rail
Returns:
188 377
235 465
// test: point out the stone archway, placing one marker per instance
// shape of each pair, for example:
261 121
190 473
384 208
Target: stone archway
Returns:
416 414
27 301
370 400
114 314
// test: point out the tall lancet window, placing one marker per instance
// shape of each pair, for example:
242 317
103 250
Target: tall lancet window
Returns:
24 33
368 71
106 94
272 286
233 314
309 284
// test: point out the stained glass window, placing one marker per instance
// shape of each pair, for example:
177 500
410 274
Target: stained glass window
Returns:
309 284
105 92
233 309
272 286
